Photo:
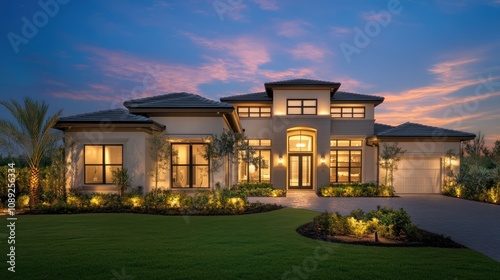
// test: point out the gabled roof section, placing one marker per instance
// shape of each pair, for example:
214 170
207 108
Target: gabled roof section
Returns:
379 127
419 130
249 97
119 116
301 83
176 100
344 96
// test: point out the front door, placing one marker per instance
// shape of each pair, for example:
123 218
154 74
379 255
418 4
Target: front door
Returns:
300 171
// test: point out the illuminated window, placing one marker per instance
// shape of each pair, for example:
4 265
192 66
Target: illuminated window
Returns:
301 106
300 143
259 142
347 112
189 168
258 171
345 166
100 161
254 112
345 143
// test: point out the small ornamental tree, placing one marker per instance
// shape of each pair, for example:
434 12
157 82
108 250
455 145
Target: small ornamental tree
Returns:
121 179
160 152
389 159
227 145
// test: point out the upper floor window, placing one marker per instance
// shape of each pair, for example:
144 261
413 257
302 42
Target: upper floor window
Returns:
345 143
258 143
100 161
301 106
254 112
347 112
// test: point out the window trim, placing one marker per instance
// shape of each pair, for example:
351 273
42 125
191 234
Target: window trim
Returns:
189 165
103 165
347 114
246 110
348 167
302 107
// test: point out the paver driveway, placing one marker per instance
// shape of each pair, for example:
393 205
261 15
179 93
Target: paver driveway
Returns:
473 224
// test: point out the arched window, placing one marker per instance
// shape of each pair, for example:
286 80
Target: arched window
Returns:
300 143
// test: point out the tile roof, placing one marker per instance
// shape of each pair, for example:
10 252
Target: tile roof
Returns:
301 82
350 96
379 127
419 130
256 96
176 100
338 96
114 115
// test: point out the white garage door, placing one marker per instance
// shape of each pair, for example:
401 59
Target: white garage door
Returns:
418 175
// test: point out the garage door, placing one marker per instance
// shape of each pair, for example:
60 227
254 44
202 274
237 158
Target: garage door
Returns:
418 175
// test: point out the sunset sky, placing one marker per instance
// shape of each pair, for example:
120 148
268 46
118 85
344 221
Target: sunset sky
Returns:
435 62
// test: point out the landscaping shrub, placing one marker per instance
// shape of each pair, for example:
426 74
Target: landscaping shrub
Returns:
356 190
259 189
386 222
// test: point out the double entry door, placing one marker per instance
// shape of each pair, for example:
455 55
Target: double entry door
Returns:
300 171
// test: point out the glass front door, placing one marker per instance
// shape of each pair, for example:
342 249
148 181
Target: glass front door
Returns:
300 171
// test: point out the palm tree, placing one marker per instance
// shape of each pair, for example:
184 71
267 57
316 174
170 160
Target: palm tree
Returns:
29 133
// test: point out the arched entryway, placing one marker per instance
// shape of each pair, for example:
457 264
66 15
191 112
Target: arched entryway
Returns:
301 147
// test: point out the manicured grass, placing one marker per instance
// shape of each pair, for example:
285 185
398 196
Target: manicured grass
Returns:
257 246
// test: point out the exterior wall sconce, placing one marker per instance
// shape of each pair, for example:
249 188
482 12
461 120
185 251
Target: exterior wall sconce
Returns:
323 160
280 160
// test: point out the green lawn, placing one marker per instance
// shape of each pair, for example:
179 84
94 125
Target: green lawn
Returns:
257 246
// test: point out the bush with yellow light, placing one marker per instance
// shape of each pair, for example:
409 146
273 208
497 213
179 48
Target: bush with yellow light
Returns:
356 190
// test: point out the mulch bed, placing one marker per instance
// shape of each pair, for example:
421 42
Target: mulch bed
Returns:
428 239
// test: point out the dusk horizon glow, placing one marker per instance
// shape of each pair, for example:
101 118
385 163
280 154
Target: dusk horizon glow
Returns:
435 62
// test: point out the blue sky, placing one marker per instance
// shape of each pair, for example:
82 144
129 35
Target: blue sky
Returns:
435 62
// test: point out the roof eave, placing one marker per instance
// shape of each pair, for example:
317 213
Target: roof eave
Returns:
66 125
333 87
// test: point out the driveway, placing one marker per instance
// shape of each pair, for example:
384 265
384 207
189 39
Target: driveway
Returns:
473 224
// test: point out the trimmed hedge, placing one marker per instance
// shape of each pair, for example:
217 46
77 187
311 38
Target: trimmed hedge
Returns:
356 189
260 189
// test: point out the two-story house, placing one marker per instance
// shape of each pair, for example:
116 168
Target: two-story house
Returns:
307 132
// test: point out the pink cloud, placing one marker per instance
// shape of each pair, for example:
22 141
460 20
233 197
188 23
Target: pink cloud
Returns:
307 51
287 74
340 31
350 84
271 5
293 29
451 70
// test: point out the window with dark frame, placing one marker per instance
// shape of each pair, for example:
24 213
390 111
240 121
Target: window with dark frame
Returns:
345 166
251 173
301 106
254 111
100 161
188 167
347 112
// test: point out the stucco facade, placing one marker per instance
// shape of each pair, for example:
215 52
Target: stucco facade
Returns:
307 134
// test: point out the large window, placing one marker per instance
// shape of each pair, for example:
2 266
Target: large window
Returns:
189 168
254 112
301 106
345 166
100 161
259 172
347 112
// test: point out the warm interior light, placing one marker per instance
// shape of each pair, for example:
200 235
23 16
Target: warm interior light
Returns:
252 168
300 145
